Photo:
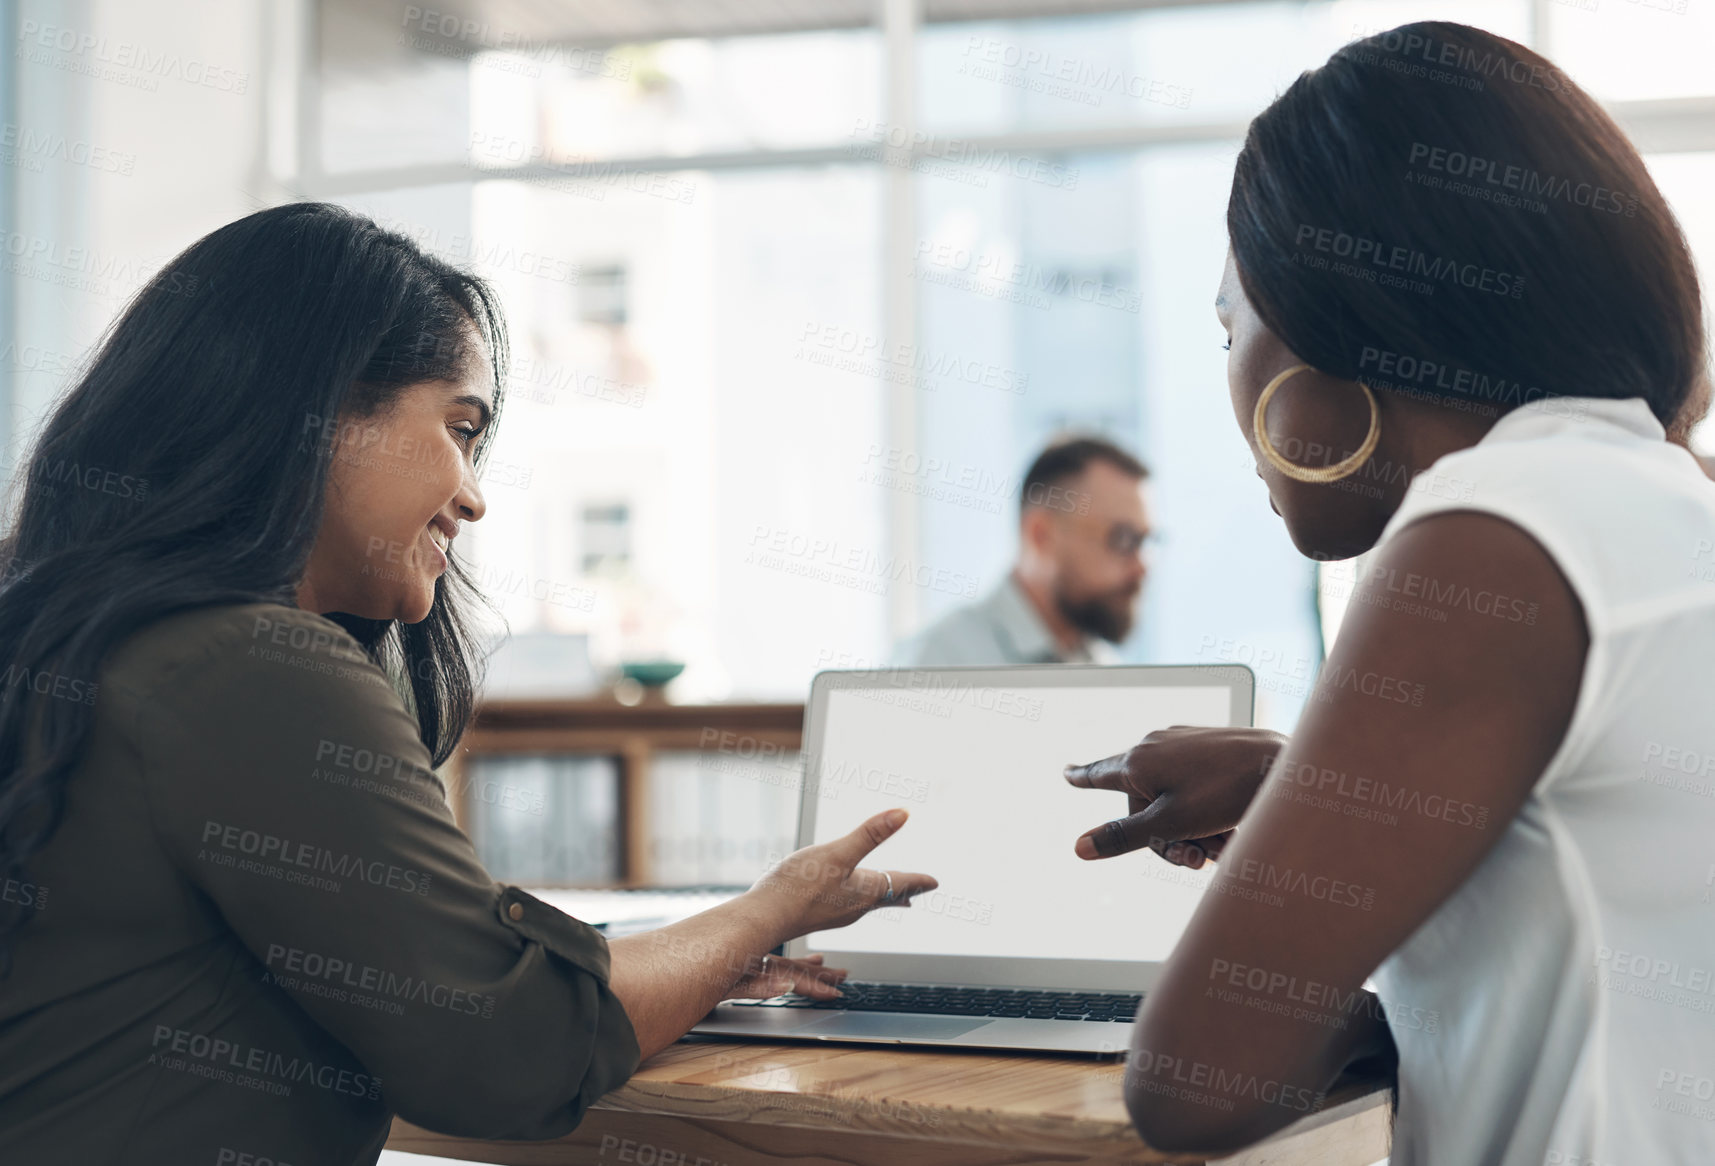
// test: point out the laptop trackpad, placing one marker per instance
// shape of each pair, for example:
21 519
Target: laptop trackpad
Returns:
895 1025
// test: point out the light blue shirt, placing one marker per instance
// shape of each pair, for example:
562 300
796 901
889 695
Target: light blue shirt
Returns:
1002 628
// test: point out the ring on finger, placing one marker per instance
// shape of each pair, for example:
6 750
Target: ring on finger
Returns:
888 898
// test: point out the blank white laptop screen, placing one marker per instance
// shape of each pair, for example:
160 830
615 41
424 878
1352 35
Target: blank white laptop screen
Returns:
994 821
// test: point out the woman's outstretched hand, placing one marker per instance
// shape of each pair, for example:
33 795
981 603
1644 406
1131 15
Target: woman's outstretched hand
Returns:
1188 787
668 979
822 887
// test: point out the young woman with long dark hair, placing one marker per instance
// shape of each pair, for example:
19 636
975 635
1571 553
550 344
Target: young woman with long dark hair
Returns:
239 920
1461 319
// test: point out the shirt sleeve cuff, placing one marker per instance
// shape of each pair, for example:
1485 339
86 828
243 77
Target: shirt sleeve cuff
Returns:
571 939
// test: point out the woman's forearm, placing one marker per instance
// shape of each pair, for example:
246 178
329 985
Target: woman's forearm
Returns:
670 978
1298 1071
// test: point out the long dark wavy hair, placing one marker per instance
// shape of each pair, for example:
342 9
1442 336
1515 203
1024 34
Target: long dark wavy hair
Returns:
1440 148
187 468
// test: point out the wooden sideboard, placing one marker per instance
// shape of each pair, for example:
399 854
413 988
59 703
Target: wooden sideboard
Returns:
630 734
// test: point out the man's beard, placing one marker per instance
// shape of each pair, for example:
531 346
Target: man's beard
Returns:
1100 617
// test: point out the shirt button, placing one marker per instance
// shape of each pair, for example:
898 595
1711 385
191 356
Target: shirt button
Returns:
516 911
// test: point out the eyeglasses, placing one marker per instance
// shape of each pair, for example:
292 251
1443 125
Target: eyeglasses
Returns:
1128 542
1121 539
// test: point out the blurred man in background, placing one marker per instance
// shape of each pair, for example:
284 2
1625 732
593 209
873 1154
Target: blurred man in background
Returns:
1083 522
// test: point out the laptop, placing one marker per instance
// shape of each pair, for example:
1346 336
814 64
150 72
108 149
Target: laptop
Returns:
1024 945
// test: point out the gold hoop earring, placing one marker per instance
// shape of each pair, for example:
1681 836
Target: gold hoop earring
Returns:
1298 473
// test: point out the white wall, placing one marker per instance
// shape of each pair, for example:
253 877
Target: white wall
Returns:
139 130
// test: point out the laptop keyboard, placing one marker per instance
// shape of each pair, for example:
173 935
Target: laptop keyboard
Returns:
946 1000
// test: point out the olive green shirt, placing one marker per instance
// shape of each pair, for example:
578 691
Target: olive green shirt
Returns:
258 933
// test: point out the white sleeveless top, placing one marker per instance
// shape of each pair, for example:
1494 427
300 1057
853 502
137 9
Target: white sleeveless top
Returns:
1573 974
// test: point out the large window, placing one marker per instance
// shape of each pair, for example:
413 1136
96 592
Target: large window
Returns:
794 311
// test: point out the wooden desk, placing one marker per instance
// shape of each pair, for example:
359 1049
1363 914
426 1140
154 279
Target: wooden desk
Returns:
709 1103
